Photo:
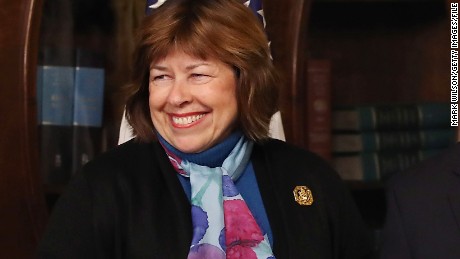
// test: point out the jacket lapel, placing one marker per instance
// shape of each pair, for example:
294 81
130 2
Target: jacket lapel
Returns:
271 201
179 204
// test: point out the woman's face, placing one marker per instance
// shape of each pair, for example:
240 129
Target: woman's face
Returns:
192 101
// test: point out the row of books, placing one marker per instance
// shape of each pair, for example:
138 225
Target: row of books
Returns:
371 142
70 94
376 141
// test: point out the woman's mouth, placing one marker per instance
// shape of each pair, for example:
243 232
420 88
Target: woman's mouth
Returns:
186 121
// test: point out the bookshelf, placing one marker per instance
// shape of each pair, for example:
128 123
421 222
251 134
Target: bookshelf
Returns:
74 40
382 52
379 48
24 200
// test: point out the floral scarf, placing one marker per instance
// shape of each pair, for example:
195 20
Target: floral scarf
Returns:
223 226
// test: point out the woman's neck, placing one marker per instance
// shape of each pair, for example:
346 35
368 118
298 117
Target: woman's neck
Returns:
212 157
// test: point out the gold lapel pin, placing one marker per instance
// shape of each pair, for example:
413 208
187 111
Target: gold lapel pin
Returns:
303 195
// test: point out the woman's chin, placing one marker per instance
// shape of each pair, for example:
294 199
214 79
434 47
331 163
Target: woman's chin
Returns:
190 147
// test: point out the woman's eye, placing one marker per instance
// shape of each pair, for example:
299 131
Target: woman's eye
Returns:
198 75
160 77
161 80
200 78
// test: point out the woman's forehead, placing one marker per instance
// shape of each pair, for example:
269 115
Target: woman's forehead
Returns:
175 51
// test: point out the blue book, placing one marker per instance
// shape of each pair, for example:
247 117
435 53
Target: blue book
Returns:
89 96
57 95
55 111
393 140
375 166
88 107
392 117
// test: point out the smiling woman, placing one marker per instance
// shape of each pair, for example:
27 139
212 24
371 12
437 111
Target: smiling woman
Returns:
202 178
237 40
192 101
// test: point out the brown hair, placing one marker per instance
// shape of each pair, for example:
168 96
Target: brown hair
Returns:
223 29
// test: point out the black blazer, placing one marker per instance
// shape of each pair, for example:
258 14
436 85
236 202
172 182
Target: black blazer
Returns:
129 203
423 214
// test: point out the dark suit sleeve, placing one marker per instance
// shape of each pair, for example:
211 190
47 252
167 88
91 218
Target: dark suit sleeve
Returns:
394 241
69 233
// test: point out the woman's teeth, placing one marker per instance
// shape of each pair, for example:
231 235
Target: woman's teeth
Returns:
187 120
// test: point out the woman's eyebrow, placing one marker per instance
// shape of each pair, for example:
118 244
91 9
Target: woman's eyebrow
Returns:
188 67
192 66
158 67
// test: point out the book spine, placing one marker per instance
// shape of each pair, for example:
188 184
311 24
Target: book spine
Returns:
393 117
405 117
88 108
373 166
389 163
318 108
393 140
433 115
55 123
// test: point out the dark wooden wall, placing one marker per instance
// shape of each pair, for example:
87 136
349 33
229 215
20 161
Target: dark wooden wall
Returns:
381 58
287 23
22 205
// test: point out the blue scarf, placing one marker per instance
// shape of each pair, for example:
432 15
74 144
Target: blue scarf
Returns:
223 226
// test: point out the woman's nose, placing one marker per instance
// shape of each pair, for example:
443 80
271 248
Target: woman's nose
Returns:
180 93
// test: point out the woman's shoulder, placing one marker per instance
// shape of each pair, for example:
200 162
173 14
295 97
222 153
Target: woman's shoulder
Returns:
127 157
284 152
124 153
282 147
289 160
